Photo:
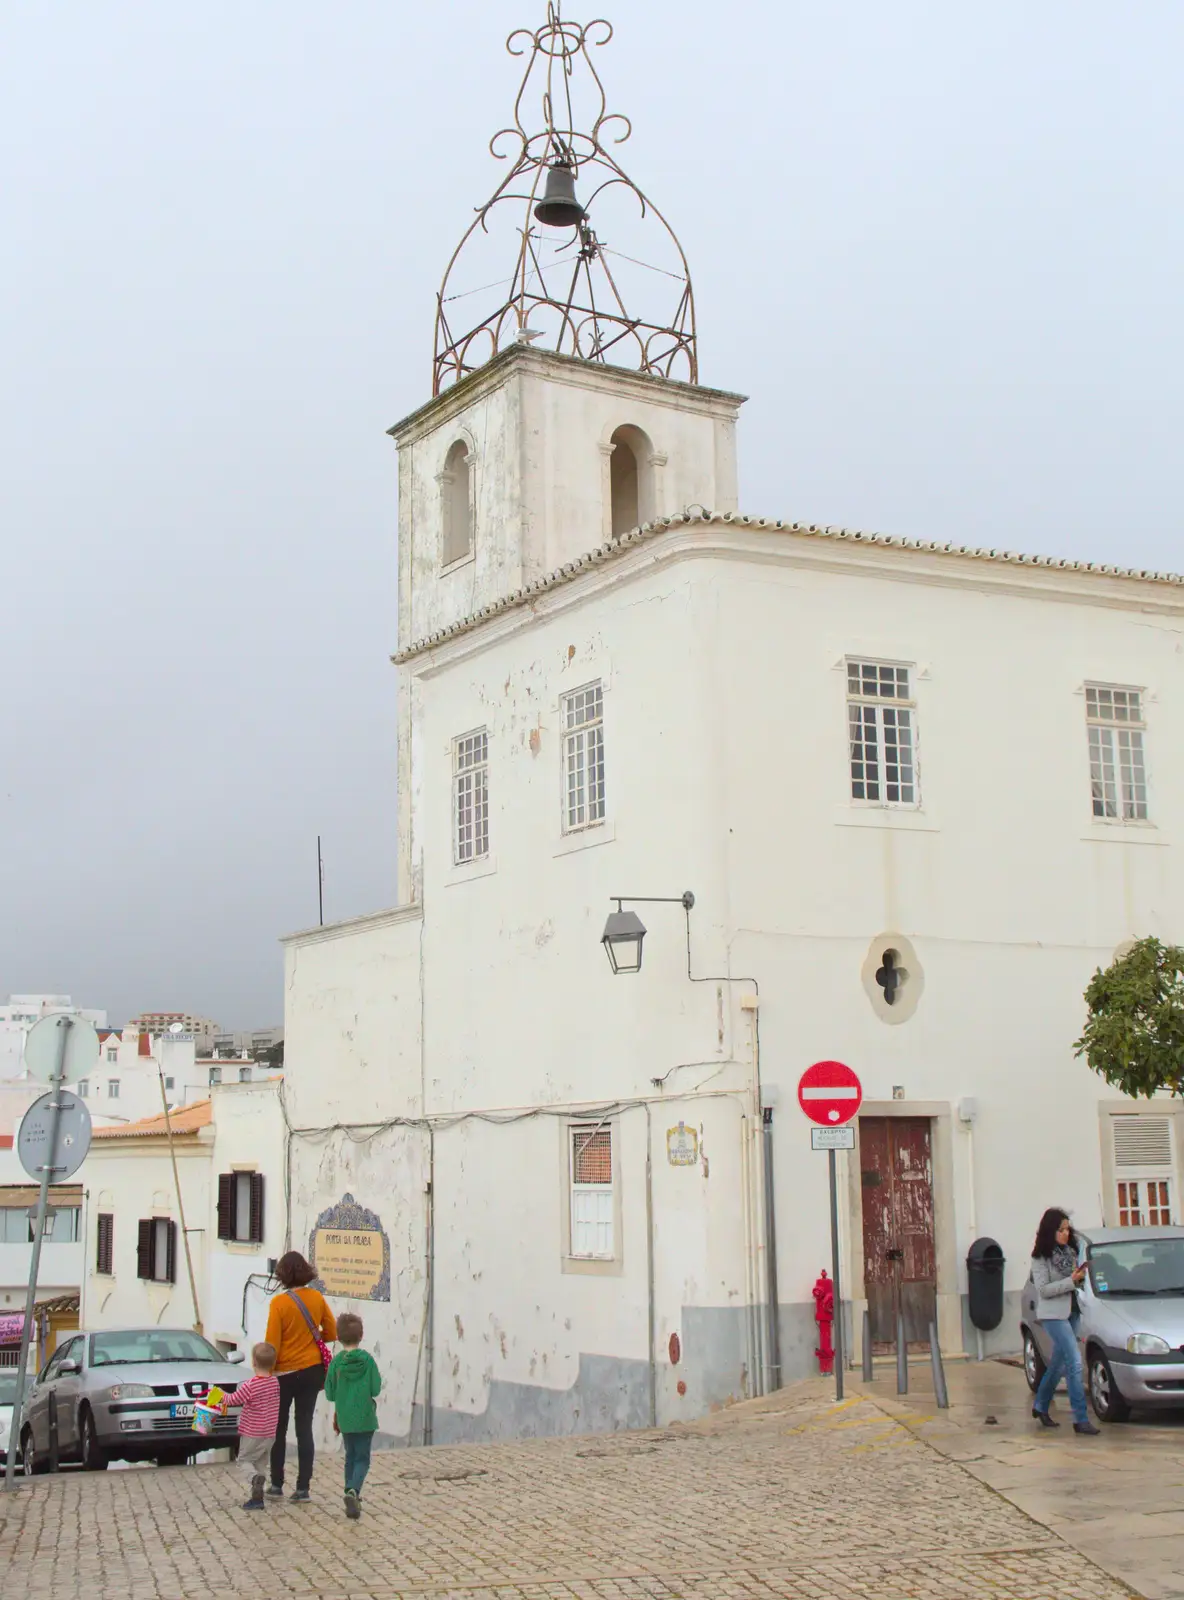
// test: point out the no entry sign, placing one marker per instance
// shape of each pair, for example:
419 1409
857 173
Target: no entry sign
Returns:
829 1093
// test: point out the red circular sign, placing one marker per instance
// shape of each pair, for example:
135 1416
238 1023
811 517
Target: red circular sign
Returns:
829 1093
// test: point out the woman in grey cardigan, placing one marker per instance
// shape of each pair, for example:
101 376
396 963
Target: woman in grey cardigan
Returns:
1057 1276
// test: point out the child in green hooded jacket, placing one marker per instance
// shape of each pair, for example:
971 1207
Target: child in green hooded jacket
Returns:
351 1383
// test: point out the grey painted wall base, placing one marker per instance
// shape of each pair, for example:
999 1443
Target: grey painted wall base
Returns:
612 1394
609 1394
1004 1340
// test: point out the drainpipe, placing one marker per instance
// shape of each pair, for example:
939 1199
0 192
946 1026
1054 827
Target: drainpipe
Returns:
752 1385
774 1344
429 1339
649 1248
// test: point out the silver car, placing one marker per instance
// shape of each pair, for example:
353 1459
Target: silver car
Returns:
1132 1321
126 1394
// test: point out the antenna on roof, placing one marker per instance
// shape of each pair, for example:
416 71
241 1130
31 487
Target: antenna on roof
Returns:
320 884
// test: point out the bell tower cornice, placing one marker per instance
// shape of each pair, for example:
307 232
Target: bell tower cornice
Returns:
563 369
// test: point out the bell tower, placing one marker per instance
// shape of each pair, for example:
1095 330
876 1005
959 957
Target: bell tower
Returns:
566 406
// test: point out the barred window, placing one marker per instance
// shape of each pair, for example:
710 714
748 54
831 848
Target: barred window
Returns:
880 721
583 758
1144 1170
592 1192
1117 773
470 797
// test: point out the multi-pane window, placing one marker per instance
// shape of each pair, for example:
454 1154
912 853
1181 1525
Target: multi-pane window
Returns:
1117 774
583 758
592 1192
1143 1170
113 1088
880 721
470 797
1144 1202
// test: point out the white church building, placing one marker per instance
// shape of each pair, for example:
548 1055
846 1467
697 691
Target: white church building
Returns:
918 793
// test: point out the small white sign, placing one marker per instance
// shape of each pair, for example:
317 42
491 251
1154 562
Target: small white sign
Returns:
832 1138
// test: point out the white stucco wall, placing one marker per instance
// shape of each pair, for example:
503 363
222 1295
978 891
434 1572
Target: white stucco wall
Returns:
133 1179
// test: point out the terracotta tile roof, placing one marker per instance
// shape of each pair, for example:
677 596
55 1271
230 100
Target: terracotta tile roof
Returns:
185 1120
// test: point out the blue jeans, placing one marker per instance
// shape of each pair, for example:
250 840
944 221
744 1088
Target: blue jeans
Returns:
357 1459
1065 1359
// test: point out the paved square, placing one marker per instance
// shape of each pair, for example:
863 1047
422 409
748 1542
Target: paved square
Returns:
792 1496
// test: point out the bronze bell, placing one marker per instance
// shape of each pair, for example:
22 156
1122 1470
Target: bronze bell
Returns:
559 207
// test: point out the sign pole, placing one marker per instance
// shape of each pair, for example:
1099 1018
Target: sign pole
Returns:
834 1273
65 1023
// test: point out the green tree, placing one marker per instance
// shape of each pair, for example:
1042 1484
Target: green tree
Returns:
1134 1035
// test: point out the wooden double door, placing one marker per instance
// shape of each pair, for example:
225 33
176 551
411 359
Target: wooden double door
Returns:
899 1256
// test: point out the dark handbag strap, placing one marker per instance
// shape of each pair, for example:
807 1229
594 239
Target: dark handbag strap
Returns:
307 1315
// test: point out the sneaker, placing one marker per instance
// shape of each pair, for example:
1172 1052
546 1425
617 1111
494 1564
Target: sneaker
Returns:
353 1506
301 1494
276 1491
254 1505
1085 1427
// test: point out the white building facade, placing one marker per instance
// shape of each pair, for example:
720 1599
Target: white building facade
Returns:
919 794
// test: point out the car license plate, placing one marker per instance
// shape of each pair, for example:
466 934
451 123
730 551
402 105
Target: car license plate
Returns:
180 1411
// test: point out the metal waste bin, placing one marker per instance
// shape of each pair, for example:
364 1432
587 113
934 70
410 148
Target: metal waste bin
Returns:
984 1273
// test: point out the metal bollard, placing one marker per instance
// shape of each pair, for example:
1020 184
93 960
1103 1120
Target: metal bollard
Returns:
867 1347
940 1392
902 1356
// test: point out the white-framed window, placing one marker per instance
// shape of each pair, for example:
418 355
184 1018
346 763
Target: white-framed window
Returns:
170 1083
1144 1171
113 1088
583 758
112 1055
215 1075
881 724
470 796
1117 769
592 1203
84 1089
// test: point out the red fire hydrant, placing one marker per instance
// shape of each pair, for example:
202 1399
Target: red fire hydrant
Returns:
824 1315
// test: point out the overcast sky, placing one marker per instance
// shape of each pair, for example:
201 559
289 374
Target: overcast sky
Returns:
938 245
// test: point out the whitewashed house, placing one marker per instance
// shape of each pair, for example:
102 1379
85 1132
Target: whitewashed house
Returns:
229 1155
919 792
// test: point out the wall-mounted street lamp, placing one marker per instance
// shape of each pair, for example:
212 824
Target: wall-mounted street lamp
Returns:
51 1217
624 930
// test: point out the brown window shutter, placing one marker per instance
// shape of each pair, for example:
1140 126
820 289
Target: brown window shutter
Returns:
256 1233
106 1242
170 1259
144 1251
226 1218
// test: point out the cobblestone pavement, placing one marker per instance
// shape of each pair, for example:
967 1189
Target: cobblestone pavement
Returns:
793 1496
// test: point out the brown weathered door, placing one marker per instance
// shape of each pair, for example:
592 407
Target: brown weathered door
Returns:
896 1167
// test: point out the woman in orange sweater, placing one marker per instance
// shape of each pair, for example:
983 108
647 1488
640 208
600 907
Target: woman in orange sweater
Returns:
298 1317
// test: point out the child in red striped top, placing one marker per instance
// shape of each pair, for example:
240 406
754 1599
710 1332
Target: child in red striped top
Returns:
260 1401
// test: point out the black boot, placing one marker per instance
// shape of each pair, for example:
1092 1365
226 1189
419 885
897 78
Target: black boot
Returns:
1043 1418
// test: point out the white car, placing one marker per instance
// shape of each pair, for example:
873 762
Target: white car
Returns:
7 1402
